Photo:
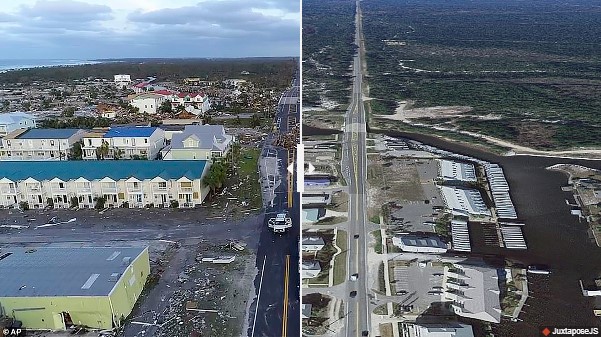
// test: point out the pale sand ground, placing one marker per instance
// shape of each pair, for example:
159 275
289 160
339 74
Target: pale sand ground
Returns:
405 115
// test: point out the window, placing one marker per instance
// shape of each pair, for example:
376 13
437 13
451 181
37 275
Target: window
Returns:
136 184
162 185
8 142
145 140
61 185
185 184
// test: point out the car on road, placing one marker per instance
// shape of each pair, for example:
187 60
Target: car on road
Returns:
356 236
353 294
365 333
354 277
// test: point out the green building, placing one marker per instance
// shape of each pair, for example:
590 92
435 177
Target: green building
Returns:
54 288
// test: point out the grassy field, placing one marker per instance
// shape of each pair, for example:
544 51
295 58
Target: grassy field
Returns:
248 171
378 244
542 82
340 260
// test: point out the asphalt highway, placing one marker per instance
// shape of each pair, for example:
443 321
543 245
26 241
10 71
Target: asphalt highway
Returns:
354 164
276 310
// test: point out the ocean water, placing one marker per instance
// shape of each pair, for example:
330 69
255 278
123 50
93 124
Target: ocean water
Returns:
15 64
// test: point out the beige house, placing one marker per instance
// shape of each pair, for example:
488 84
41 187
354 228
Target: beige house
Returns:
198 142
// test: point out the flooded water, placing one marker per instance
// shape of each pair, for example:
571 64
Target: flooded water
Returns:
553 235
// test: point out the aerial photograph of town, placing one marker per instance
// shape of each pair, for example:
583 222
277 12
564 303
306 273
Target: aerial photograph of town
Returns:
147 177
452 183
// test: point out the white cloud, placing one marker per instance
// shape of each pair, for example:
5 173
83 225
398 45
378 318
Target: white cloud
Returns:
149 28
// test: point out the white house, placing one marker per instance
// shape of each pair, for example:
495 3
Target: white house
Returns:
312 244
79 183
198 142
196 103
39 144
127 142
122 81
310 269
148 102
12 121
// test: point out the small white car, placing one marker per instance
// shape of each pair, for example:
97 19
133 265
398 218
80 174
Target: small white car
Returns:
354 277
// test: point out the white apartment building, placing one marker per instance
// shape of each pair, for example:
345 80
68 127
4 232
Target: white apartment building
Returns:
128 142
196 103
148 102
473 291
122 81
79 183
39 144
12 121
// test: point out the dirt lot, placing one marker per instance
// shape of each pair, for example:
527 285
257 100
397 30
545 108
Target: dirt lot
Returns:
392 179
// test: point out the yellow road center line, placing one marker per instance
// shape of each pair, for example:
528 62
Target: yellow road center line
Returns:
285 311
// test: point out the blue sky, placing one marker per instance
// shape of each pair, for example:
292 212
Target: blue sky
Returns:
91 29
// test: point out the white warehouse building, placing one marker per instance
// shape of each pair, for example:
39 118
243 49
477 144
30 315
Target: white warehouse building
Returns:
455 171
464 201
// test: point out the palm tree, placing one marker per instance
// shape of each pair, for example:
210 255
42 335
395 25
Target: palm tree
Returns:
103 150
216 176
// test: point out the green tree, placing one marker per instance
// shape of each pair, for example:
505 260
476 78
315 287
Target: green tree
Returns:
100 202
24 205
76 152
166 107
69 111
216 176
255 121
103 150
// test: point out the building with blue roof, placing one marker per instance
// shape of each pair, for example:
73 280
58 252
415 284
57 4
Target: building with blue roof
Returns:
124 142
39 144
131 183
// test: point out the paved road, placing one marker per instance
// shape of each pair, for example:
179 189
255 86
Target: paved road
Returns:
276 310
354 165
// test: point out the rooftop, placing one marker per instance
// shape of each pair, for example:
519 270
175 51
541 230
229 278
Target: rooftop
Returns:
14 117
98 169
422 241
46 134
452 170
62 271
130 131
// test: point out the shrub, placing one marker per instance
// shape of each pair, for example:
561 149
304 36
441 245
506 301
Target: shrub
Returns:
24 205
100 203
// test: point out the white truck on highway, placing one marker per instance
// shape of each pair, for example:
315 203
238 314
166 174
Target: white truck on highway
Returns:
280 223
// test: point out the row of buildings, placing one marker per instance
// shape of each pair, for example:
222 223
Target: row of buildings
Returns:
36 170
194 142
136 183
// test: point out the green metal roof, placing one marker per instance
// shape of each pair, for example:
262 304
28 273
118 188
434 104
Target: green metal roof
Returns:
98 169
